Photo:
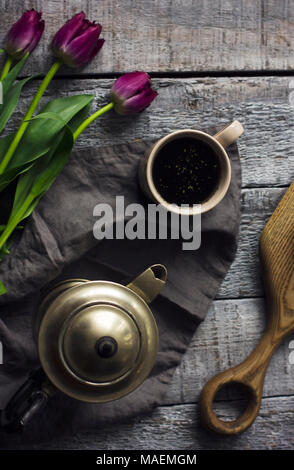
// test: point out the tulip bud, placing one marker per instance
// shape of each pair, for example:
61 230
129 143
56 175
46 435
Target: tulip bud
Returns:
25 34
132 93
77 42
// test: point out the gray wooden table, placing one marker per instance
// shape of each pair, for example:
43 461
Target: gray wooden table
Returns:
211 61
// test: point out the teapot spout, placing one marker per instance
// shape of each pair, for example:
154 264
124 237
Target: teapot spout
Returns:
149 283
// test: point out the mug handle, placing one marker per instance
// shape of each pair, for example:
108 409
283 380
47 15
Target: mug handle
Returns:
229 133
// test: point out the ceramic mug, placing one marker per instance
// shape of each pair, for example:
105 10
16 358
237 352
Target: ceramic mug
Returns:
218 143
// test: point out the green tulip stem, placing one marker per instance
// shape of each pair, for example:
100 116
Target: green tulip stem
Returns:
92 118
22 128
6 67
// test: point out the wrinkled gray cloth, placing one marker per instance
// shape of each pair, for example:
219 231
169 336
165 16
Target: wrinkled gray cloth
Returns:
58 243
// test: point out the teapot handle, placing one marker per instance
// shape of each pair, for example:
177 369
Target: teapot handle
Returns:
28 401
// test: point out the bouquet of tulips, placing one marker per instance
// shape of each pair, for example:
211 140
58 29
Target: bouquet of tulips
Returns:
37 151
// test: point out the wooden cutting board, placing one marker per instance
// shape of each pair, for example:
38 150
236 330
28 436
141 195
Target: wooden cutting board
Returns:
277 263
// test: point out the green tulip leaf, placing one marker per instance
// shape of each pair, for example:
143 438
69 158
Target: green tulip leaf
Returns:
49 115
8 81
10 101
37 180
77 120
41 134
42 173
10 175
3 252
2 289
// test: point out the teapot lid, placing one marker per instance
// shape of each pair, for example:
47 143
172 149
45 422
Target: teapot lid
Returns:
97 341
100 343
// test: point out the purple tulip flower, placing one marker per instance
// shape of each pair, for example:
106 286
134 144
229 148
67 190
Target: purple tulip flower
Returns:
77 42
132 93
25 34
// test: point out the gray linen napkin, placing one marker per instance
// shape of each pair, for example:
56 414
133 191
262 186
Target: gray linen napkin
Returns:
58 243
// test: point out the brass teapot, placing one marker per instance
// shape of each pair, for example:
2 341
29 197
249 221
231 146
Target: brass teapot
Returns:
97 342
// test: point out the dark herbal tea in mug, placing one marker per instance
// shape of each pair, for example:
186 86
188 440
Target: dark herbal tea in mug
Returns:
186 171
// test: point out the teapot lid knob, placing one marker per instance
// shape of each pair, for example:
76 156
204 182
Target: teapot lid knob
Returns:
106 347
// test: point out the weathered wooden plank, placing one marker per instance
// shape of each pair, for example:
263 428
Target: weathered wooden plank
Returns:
178 428
173 35
244 279
263 105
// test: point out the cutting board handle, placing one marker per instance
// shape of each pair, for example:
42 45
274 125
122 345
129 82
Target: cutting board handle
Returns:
250 375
